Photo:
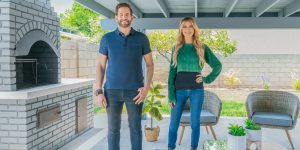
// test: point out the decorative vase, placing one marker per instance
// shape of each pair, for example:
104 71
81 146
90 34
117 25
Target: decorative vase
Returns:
236 142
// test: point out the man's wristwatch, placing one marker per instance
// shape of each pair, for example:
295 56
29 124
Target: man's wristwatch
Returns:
98 92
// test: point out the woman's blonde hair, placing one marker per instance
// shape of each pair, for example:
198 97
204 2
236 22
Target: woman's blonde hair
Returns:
196 41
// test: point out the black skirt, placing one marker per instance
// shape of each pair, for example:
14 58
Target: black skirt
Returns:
187 80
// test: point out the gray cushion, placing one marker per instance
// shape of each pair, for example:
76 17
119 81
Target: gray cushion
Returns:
206 117
274 119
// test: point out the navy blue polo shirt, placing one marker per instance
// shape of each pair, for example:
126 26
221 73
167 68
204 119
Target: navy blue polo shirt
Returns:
125 54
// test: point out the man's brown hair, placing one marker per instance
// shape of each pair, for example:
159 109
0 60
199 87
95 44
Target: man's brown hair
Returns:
123 5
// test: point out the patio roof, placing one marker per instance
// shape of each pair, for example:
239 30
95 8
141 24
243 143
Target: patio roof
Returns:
166 14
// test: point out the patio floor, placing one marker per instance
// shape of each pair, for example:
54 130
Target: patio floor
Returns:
273 135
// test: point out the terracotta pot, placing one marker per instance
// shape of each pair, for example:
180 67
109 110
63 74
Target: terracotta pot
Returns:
151 134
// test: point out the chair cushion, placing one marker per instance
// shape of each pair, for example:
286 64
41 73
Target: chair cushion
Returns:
273 119
206 117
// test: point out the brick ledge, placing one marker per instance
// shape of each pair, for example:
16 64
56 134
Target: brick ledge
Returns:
66 84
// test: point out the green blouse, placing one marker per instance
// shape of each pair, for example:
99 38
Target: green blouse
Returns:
188 61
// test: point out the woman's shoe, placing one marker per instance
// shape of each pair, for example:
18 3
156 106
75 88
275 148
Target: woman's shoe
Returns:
193 148
171 148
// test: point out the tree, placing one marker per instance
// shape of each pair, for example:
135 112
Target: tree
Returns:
218 40
162 42
152 103
83 20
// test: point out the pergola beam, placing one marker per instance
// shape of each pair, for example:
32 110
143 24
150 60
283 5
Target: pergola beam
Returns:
163 7
264 6
196 8
136 11
211 23
292 8
229 7
96 7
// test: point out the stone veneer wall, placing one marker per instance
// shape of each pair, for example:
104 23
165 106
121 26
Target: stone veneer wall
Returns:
250 67
276 68
17 18
78 59
18 121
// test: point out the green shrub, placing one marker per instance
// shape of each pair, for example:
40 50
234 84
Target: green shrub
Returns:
296 84
295 75
230 78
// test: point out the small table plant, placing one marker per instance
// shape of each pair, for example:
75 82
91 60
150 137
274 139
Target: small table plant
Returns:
253 130
236 137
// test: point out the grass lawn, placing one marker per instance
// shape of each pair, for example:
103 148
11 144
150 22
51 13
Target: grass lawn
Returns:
230 108
233 108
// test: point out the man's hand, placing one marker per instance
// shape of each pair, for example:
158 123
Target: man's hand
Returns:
101 101
141 96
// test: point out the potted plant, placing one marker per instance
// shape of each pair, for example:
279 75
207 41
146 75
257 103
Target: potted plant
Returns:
236 139
253 131
152 106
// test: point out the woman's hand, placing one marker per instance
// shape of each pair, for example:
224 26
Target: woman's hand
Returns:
199 78
172 104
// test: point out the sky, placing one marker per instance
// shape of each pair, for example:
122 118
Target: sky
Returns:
61 6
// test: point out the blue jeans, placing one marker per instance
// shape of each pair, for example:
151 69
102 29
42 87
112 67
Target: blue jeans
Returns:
115 100
196 97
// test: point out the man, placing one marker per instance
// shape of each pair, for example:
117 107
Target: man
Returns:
123 51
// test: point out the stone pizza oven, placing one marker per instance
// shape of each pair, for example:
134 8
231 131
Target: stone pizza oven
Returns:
38 109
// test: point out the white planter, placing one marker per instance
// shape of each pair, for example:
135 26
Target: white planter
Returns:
236 142
253 135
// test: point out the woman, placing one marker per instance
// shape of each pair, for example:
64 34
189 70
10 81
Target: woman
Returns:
185 80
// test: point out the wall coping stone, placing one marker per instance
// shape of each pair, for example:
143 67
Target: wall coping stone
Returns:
27 94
